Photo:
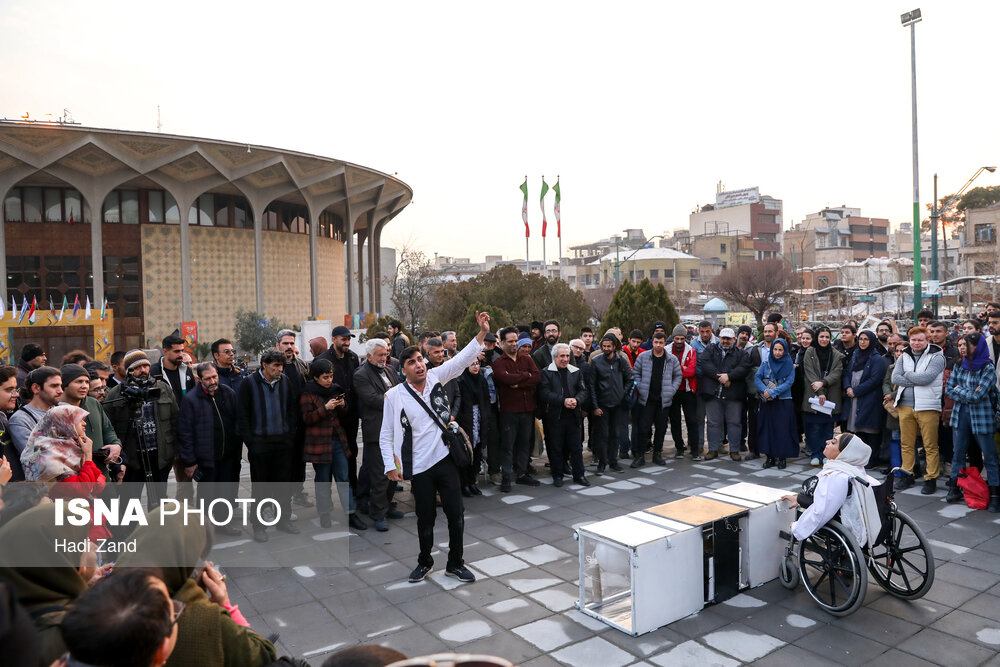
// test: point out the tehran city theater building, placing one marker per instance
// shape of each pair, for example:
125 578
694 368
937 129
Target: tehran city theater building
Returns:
173 229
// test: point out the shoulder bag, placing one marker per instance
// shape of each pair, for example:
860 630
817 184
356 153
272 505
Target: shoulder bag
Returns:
458 445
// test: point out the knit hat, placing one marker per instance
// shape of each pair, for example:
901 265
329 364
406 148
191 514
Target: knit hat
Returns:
613 338
680 330
659 325
744 329
71 372
318 345
522 340
133 359
31 351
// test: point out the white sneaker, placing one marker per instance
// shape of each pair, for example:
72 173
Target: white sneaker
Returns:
815 462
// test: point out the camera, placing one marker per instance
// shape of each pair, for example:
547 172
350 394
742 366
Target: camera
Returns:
140 392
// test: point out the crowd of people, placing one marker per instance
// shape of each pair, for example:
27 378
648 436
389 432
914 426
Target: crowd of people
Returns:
446 420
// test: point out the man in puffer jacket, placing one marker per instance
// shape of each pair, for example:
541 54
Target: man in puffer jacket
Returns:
722 371
919 374
657 377
686 398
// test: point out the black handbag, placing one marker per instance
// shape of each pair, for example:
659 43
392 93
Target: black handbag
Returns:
457 443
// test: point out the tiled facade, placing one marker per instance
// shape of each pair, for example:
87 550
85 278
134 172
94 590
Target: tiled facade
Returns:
332 304
222 278
161 281
286 277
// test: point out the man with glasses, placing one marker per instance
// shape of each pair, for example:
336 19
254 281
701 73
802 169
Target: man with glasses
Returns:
98 389
224 358
128 618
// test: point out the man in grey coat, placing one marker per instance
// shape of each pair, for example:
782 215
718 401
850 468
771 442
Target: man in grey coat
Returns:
657 375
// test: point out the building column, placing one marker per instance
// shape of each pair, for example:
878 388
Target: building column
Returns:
377 268
314 263
349 260
362 233
185 214
258 255
373 276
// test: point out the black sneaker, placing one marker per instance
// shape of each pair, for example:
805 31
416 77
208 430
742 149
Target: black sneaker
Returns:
528 480
904 481
930 486
557 482
679 454
288 527
302 500
505 485
461 573
582 481
394 514
601 468
616 468
356 522
259 533
638 462
955 495
658 461
420 573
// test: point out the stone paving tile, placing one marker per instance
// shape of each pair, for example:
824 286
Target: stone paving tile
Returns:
742 642
462 628
550 633
950 594
432 607
792 655
896 658
782 623
413 641
499 565
841 646
361 601
944 649
692 654
514 611
510 646
883 628
965 576
593 651
541 554
923 612
982 631
558 598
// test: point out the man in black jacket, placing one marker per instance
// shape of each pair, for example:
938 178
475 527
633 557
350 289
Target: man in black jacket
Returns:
543 353
267 418
395 329
224 356
372 379
208 439
563 392
610 376
722 371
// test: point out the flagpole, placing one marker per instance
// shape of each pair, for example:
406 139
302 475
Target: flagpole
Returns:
559 234
542 204
527 238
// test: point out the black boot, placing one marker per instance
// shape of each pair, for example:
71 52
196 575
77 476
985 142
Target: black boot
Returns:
994 505
954 494
769 462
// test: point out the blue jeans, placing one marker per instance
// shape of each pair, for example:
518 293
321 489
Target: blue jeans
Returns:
325 474
961 435
818 429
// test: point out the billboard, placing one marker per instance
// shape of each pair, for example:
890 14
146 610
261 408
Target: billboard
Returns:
737 197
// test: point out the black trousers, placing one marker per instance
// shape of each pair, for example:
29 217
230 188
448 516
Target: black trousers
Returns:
275 467
378 488
564 439
687 402
517 434
607 429
492 440
440 479
652 422
134 480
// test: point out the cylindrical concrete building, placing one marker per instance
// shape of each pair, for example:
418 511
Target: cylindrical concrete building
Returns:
175 229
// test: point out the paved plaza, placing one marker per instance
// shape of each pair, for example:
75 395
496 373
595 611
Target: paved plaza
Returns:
521 547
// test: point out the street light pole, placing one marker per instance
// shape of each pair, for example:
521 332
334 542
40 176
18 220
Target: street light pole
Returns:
935 214
911 19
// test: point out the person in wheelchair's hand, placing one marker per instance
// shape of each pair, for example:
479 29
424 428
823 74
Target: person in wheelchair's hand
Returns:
837 490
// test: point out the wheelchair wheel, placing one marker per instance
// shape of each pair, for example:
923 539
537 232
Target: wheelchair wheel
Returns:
903 564
833 569
788 573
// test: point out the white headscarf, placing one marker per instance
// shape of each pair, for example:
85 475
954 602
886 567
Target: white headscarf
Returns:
860 512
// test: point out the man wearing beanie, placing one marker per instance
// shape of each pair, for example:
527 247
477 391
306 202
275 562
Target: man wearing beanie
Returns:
32 357
97 426
610 375
125 412
516 377
686 397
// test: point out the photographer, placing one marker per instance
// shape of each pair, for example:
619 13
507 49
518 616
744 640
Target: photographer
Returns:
142 403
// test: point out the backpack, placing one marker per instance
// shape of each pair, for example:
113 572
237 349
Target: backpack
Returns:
977 493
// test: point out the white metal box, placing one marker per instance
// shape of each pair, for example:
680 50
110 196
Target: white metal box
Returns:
637 575
768 516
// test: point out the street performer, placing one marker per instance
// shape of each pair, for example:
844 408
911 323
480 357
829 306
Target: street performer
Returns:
413 448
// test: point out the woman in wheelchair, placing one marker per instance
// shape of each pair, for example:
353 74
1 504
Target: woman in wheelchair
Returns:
850 527
838 490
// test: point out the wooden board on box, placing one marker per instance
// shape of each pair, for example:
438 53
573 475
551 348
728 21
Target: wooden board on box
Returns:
696 510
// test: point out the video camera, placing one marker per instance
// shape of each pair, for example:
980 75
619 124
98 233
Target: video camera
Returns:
140 392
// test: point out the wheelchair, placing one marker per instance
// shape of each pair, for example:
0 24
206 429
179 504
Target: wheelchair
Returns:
834 568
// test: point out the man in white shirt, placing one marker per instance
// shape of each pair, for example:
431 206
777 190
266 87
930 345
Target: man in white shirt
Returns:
413 448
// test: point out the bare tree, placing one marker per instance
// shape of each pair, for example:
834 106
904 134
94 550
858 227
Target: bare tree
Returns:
599 299
413 285
756 285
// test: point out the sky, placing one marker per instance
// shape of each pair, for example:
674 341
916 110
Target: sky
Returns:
640 108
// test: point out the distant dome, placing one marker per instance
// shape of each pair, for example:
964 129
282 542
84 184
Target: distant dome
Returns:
715 306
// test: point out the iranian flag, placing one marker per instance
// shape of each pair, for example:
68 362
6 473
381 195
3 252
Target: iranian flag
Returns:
104 309
555 209
31 312
541 203
62 312
524 208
